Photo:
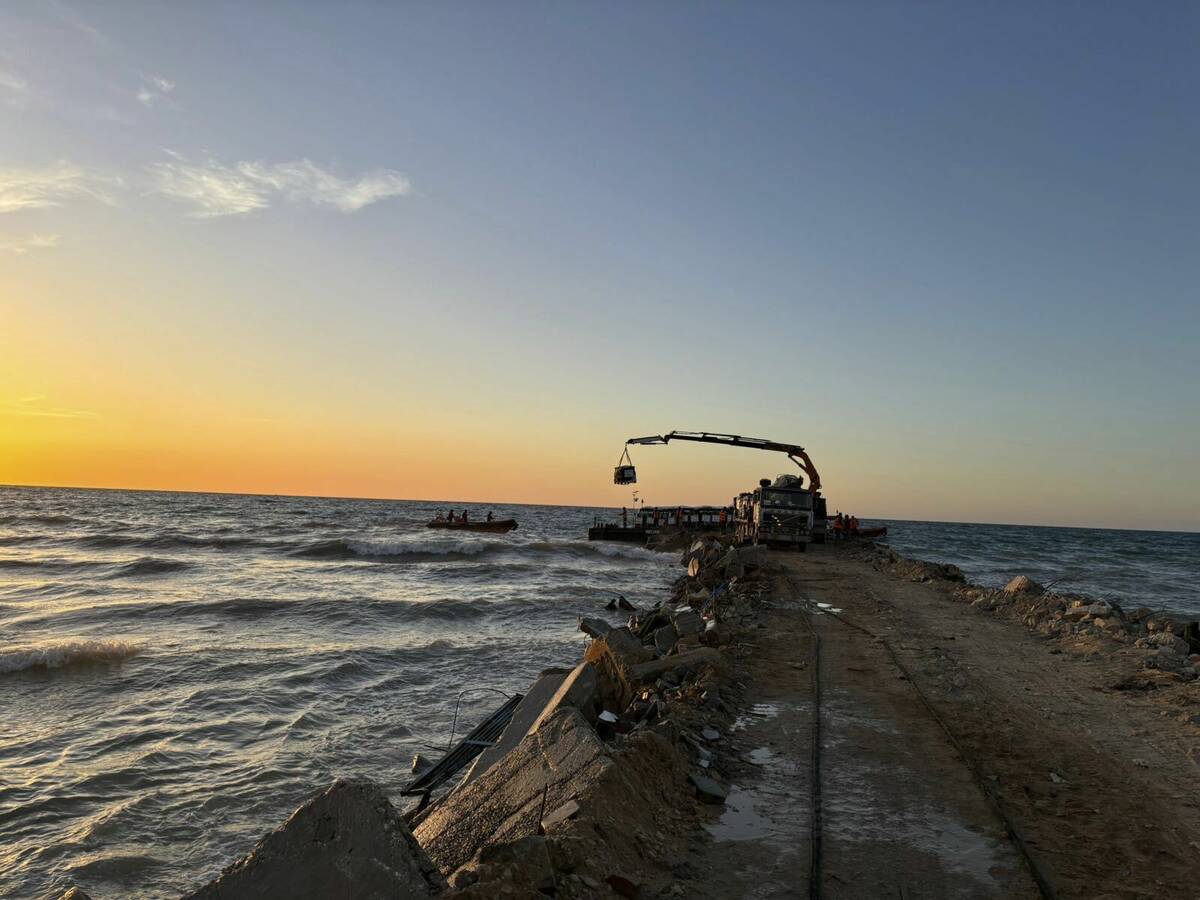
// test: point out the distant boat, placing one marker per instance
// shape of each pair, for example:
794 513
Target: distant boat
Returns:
496 526
872 532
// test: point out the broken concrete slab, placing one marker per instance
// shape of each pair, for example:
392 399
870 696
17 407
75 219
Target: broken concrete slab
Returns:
557 762
625 647
693 659
567 811
347 841
578 690
528 711
594 627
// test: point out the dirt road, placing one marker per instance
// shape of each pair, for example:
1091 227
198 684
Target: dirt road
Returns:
974 762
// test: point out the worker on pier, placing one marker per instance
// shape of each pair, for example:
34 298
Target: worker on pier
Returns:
854 526
624 517
839 526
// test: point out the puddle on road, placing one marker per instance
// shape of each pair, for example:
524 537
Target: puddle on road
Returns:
863 806
761 756
740 821
757 712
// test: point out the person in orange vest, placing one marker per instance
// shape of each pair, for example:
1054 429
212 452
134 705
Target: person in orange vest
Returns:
839 526
854 526
723 518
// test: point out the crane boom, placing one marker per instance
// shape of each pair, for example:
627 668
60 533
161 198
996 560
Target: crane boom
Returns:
795 453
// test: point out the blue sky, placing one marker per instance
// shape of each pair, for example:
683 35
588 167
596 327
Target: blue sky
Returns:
952 248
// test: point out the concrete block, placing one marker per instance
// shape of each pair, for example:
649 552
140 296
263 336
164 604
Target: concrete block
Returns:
347 841
693 659
577 690
594 627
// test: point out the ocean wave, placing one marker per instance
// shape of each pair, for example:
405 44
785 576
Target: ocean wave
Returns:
65 653
436 549
148 565
38 520
167 542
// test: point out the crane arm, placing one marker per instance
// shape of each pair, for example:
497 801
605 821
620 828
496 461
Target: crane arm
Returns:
795 453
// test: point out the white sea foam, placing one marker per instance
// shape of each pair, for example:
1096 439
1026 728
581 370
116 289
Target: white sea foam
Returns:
65 653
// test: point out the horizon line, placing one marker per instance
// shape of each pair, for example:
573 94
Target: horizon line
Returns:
63 487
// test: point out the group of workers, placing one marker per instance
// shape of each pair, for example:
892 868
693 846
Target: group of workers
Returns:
845 525
449 517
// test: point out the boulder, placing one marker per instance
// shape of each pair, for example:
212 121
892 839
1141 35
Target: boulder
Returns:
1167 640
346 841
556 763
1023 584
75 894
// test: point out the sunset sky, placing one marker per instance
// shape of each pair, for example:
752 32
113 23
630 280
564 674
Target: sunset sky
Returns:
463 251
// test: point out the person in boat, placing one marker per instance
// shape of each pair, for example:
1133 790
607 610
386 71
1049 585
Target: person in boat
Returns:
464 517
449 515
489 515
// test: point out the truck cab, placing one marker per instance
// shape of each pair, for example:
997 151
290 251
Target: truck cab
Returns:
779 514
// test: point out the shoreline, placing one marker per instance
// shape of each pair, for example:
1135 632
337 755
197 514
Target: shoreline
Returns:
672 799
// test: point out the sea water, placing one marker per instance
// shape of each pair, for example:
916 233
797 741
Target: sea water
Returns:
179 671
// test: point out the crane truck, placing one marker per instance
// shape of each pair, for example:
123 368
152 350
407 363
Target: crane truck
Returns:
782 513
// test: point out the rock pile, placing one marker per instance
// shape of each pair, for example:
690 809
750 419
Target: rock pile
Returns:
1166 643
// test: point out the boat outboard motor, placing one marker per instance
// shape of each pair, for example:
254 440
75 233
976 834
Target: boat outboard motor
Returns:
625 473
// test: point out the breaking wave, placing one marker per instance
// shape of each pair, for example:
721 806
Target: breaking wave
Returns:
64 654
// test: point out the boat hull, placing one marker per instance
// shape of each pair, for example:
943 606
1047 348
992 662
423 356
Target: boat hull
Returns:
496 526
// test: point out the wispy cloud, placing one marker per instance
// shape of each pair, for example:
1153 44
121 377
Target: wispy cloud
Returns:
153 89
14 89
25 244
31 407
215 189
47 186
